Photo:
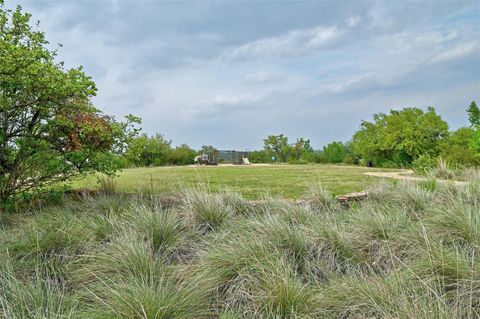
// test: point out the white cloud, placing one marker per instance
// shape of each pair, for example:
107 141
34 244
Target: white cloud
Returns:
353 20
262 77
351 83
293 43
455 53
235 99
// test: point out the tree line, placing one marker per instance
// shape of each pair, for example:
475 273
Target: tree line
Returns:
156 150
410 137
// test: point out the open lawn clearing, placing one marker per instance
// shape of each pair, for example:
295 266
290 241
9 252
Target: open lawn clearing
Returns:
255 181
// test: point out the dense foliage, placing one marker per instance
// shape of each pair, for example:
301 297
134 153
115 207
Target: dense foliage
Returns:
474 117
334 152
49 130
277 149
147 151
409 137
144 150
457 148
400 137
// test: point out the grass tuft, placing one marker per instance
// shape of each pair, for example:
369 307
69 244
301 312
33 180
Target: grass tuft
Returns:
209 210
321 199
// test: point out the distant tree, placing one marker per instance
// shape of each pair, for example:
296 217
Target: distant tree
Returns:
181 155
261 156
474 117
209 150
400 137
301 149
278 146
457 148
350 157
334 152
49 129
147 150
474 114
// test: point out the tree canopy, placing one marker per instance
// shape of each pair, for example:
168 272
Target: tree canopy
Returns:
49 129
334 152
400 137
474 117
277 145
456 147
474 114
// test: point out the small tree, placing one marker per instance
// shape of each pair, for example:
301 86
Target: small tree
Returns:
144 150
278 146
456 148
474 117
334 152
181 155
302 149
261 156
49 130
474 114
211 151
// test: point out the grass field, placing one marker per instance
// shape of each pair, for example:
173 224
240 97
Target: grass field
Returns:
290 181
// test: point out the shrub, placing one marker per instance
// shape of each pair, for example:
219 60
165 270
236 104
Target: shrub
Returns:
443 170
334 152
181 155
424 164
61 134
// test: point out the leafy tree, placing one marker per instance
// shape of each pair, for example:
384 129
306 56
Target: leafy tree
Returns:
278 146
400 137
49 129
334 152
261 156
211 151
302 149
148 151
181 155
456 148
474 114
474 117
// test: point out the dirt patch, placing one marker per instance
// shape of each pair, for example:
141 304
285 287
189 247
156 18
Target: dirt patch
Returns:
406 175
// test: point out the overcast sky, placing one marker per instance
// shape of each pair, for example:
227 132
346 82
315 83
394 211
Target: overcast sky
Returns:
231 73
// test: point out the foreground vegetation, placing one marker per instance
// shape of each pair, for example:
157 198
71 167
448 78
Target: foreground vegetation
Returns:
289 181
408 251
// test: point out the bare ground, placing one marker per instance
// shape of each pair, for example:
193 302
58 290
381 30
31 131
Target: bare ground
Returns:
405 175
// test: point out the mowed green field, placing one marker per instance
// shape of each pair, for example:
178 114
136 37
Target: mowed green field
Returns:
255 181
